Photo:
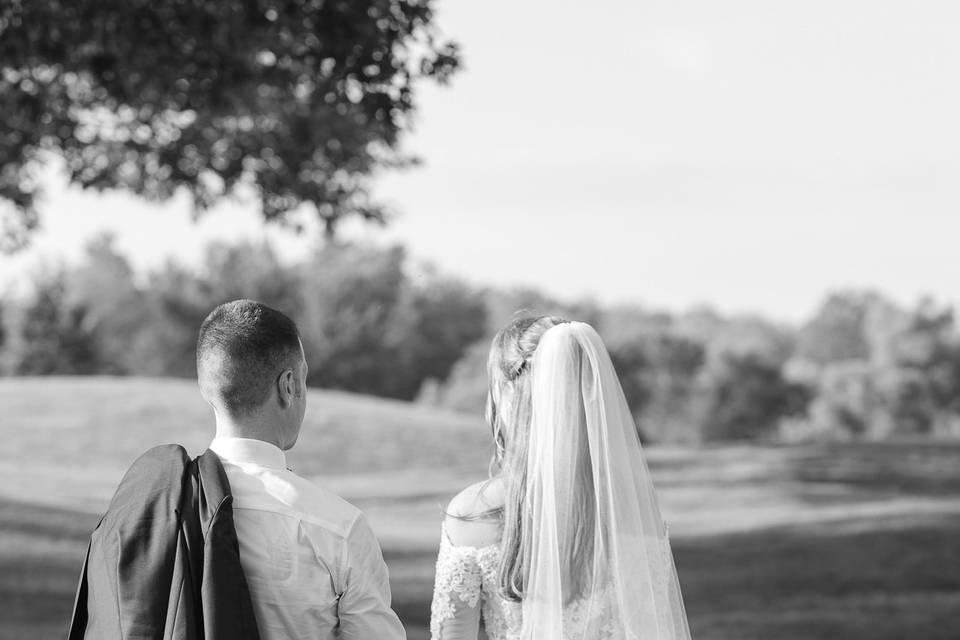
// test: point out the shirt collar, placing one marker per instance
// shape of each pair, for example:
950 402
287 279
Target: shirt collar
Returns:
248 451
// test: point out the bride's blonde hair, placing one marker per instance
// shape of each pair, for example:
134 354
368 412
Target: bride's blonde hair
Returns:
508 413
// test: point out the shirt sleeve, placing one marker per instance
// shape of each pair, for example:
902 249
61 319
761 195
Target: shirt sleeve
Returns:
455 610
364 607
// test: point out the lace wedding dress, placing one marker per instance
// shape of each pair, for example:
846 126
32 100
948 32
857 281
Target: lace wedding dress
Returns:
466 592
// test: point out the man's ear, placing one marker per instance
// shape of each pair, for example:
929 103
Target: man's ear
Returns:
286 387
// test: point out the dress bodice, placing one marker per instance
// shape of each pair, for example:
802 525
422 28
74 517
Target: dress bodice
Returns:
466 591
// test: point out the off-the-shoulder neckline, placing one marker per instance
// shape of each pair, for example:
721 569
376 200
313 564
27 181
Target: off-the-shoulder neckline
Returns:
446 537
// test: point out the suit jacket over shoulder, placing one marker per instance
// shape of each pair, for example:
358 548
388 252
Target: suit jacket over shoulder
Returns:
164 560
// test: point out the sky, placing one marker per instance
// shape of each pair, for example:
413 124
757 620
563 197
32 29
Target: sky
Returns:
747 155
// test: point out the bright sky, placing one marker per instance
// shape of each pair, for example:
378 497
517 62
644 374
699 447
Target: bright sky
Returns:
750 155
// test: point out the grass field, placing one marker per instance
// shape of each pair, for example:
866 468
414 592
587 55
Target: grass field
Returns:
846 541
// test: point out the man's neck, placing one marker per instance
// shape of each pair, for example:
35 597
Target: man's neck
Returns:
252 428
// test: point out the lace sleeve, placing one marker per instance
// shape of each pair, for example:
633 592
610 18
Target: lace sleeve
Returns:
455 611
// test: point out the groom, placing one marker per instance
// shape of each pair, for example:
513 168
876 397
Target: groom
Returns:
312 563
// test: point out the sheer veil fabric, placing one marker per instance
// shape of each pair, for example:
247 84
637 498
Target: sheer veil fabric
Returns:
600 559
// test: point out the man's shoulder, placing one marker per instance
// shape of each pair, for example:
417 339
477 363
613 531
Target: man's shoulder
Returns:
152 483
319 505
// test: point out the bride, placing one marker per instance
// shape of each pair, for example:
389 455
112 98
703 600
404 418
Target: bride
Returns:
565 540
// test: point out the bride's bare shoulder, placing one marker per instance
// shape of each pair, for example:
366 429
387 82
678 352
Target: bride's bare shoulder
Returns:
474 515
478 498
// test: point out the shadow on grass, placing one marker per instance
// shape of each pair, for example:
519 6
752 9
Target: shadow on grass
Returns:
816 583
41 554
929 468
789 583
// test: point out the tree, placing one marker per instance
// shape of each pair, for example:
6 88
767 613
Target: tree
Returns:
658 371
177 301
4 331
927 355
748 397
350 323
104 285
669 384
254 271
465 388
850 402
445 318
837 333
303 99
744 335
910 384
51 336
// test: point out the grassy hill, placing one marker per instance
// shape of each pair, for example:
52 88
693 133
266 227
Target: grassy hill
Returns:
842 541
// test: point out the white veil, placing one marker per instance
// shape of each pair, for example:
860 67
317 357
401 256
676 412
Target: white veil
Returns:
600 560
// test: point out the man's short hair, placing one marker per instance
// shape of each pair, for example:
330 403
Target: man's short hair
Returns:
243 346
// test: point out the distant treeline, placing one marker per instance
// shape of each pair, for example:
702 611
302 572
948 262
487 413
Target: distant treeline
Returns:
862 367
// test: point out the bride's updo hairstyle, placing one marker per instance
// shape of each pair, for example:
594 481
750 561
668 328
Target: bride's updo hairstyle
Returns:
508 414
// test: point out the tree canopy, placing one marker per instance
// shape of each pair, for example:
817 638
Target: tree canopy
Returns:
302 99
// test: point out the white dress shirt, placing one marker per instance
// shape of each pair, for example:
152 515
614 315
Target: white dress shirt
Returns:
313 565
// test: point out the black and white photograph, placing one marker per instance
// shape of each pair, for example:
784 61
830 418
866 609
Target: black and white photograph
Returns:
447 320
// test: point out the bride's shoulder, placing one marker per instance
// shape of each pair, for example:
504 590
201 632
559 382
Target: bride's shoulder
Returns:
479 500
474 515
